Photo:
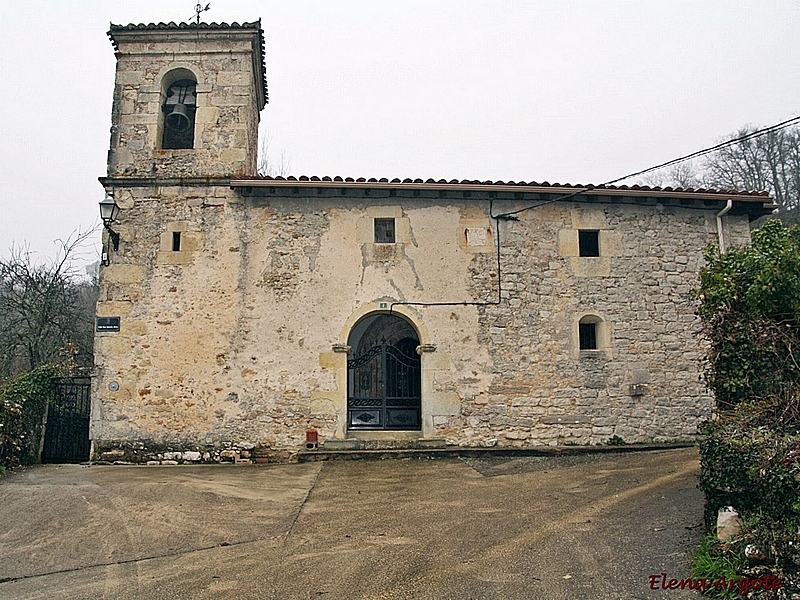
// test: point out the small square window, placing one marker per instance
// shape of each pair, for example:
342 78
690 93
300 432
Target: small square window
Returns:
176 241
384 231
588 336
588 242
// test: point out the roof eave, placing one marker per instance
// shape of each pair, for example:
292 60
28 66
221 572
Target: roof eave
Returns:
499 187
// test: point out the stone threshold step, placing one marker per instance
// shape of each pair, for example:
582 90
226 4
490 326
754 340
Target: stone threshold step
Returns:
367 444
459 452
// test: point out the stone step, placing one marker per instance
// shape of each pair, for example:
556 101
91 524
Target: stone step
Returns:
338 445
342 453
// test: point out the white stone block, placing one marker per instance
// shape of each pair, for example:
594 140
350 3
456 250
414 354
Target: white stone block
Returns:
729 524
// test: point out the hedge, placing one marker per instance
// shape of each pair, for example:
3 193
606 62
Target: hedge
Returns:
750 455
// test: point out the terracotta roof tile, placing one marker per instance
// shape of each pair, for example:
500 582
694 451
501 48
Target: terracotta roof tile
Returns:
488 183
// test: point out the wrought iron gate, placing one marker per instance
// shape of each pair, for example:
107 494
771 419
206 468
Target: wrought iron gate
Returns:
66 437
384 389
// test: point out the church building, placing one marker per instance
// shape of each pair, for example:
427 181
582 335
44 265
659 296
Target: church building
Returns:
245 317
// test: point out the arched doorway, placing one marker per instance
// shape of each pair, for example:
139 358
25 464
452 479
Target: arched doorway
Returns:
383 375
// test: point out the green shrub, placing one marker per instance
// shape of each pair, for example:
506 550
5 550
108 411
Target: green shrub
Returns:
750 468
749 306
750 457
23 401
757 471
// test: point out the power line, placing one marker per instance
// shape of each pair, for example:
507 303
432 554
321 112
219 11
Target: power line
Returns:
510 215
731 142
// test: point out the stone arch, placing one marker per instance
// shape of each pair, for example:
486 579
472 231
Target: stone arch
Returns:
413 322
177 117
384 375
372 328
175 71
412 316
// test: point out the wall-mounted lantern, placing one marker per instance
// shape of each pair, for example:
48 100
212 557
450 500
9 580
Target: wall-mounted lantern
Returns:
108 212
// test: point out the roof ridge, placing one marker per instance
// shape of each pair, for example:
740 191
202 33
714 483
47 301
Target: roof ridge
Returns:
184 25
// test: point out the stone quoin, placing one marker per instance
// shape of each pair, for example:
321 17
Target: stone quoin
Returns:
387 313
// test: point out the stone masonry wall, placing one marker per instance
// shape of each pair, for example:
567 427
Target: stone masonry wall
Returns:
644 386
228 347
226 120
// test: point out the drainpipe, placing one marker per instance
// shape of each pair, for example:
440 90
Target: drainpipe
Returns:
721 214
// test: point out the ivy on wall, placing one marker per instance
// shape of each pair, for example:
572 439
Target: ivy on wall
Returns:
23 402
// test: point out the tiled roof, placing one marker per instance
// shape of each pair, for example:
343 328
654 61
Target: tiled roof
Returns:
456 184
256 25
173 25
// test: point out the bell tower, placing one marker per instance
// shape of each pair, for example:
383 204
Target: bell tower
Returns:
186 100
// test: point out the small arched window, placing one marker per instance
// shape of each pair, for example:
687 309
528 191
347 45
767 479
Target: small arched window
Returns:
592 336
179 110
589 337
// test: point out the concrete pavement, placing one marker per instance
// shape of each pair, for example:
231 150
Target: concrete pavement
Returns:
594 526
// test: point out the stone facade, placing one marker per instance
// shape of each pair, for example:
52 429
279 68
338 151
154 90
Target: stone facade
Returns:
234 340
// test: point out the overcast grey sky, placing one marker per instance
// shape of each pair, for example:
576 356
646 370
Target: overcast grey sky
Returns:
557 91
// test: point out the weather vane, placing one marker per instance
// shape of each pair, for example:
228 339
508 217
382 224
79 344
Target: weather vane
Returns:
199 9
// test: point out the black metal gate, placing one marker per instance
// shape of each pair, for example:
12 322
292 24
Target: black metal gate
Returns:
384 389
66 437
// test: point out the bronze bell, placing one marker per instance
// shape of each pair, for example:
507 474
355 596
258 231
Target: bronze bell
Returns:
178 120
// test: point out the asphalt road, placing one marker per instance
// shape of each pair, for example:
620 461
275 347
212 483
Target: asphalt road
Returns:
593 526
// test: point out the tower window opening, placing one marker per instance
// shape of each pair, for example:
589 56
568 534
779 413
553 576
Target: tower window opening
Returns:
179 110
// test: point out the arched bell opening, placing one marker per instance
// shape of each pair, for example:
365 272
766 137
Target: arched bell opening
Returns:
384 375
179 108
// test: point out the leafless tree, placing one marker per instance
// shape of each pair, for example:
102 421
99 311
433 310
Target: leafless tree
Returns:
683 175
46 308
769 162
268 166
